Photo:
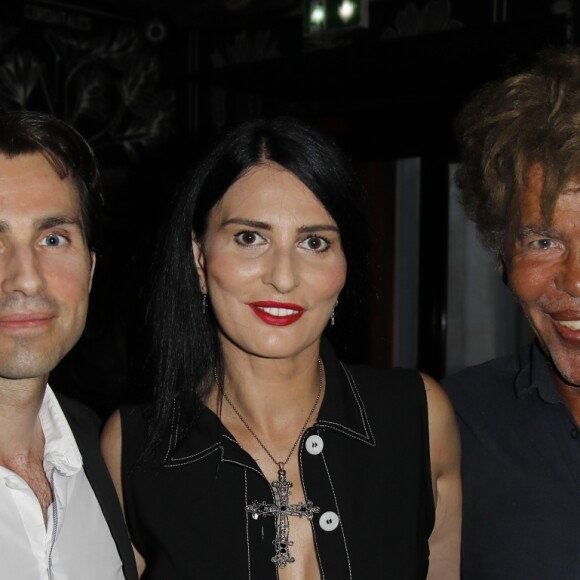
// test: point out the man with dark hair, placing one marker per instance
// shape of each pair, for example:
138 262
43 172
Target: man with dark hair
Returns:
60 516
519 415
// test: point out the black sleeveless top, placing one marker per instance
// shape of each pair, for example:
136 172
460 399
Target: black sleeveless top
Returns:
365 463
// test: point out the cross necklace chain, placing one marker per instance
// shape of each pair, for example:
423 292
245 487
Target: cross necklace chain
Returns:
281 509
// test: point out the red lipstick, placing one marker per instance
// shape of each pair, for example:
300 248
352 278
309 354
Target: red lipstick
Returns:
277 313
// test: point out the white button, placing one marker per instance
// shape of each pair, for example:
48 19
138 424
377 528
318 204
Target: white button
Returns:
314 444
328 521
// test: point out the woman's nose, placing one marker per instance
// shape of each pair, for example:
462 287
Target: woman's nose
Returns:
282 271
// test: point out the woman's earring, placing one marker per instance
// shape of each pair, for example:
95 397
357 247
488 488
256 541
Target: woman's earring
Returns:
204 303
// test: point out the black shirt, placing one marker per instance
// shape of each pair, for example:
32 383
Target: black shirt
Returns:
521 471
365 464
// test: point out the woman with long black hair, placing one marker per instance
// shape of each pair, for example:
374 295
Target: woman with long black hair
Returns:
262 455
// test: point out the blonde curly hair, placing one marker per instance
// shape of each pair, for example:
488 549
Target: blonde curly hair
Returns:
508 126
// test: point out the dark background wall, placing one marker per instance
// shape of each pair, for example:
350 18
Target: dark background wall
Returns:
152 83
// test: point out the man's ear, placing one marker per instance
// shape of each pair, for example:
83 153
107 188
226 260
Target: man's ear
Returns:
199 258
93 264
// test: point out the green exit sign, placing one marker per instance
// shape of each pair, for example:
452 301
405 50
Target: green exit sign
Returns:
329 15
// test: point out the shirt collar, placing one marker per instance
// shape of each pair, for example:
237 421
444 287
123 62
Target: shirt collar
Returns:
60 447
342 408
536 375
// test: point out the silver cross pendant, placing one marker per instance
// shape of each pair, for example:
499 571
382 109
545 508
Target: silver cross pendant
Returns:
281 509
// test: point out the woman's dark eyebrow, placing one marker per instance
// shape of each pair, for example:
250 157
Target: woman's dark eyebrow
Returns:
264 226
318 228
249 223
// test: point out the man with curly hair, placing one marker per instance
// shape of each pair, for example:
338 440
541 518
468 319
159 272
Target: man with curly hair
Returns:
519 416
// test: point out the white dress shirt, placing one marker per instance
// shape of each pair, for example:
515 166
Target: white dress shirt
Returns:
76 543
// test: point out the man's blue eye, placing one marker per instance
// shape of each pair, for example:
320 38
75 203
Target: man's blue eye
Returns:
543 244
53 240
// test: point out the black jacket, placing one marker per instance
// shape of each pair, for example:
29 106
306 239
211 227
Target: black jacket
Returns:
86 430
